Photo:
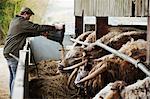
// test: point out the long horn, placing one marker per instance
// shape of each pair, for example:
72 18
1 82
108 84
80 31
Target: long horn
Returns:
71 76
80 42
63 56
78 58
90 45
80 37
75 66
95 73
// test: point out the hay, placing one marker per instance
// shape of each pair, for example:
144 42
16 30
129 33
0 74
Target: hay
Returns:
46 68
50 85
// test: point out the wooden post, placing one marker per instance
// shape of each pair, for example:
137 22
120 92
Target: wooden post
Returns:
78 25
101 26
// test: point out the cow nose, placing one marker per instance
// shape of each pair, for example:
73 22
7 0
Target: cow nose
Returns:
60 67
77 84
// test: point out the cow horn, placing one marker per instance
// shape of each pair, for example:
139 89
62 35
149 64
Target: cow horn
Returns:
71 76
75 66
81 37
78 58
95 73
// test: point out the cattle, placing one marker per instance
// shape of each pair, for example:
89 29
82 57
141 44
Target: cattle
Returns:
84 57
120 90
111 68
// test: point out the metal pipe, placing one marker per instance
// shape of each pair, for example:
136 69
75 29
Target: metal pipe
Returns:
148 35
121 55
125 57
148 41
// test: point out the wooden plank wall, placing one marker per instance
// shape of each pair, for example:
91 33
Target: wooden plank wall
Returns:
78 7
145 4
111 7
87 5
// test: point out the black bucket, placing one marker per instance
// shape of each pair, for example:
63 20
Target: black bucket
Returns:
57 35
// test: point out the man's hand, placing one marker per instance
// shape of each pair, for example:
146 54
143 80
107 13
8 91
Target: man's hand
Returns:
45 34
59 26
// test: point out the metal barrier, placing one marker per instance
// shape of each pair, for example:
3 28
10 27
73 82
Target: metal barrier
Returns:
20 89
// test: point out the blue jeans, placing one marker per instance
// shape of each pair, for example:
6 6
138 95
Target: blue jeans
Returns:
12 64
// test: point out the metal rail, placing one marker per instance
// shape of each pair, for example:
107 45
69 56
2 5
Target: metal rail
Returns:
20 88
136 63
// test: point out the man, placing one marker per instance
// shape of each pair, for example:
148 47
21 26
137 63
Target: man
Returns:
19 29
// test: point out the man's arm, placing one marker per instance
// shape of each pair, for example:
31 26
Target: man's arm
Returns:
36 29
32 28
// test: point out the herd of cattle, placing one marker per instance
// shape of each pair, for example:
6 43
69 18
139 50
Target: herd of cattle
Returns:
102 75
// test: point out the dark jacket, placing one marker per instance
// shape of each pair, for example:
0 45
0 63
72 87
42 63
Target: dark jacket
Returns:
19 30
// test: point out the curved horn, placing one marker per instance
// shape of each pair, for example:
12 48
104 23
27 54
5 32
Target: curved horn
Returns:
63 56
71 76
78 58
80 37
75 66
95 73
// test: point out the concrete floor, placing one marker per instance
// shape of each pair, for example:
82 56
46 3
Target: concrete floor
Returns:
4 77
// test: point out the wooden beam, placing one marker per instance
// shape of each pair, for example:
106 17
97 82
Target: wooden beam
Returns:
78 25
101 26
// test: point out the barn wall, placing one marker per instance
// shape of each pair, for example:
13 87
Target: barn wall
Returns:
111 7
87 5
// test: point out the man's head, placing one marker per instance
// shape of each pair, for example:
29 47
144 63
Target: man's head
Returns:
26 13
